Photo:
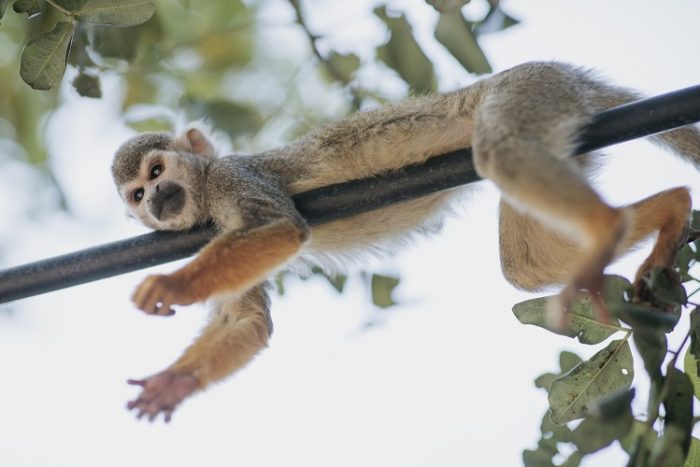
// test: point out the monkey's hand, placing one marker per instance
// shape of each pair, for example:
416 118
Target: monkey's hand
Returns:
157 293
162 393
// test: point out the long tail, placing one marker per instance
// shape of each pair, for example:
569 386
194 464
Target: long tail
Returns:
684 141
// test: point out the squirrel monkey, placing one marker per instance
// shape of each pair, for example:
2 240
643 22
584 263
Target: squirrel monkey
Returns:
522 126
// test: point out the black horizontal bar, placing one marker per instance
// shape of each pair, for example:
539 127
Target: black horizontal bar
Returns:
642 118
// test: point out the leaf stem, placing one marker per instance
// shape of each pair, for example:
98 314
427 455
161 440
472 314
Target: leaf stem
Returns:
693 292
357 93
66 12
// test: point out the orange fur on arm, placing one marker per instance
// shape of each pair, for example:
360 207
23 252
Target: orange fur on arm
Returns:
235 261
238 330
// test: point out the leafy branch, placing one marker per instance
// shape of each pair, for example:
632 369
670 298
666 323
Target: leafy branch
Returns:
599 390
45 57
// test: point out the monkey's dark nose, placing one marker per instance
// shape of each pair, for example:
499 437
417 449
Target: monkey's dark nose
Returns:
167 201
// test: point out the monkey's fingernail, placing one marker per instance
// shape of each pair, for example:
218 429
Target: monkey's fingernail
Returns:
141 414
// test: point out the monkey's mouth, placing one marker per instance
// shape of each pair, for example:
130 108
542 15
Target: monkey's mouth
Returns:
167 201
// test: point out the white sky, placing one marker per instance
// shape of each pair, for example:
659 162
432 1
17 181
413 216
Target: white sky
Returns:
444 380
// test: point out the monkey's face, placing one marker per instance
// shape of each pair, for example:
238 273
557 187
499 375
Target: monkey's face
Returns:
162 180
164 195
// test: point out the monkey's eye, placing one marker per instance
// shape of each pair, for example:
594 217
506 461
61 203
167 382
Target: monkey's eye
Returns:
156 170
138 195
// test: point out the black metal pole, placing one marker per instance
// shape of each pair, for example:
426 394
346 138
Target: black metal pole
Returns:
642 118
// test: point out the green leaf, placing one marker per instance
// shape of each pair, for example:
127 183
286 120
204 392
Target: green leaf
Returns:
568 360
545 380
652 347
279 283
3 7
685 259
643 316
496 20
123 13
668 449
550 430
574 460
695 220
336 280
382 287
639 441
44 57
120 43
30 7
343 65
403 54
690 366
596 433
664 288
583 324
613 405
538 458
87 85
693 459
446 6
609 369
694 348
235 118
679 407
455 33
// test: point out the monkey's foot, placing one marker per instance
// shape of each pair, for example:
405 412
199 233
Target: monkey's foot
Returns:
157 293
161 394
558 314
641 290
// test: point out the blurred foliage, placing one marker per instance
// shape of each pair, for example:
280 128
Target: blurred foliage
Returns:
179 54
598 390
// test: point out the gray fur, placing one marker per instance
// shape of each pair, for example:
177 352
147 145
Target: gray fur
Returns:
517 123
128 158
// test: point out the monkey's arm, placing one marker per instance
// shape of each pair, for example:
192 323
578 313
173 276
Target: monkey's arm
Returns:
233 262
239 329
261 231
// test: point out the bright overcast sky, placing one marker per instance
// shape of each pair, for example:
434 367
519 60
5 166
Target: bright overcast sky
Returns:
444 380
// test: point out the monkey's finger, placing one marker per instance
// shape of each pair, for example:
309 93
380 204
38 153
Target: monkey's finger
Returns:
140 293
153 409
168 415
150 302
141 413
165 309
136 382
146 295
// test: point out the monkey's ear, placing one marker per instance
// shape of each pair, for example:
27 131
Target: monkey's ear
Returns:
195 142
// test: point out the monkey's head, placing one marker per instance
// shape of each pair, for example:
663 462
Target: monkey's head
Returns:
162 178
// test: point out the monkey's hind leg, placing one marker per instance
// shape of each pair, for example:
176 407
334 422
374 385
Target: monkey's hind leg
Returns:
525 149
668 213
535 256
238 330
